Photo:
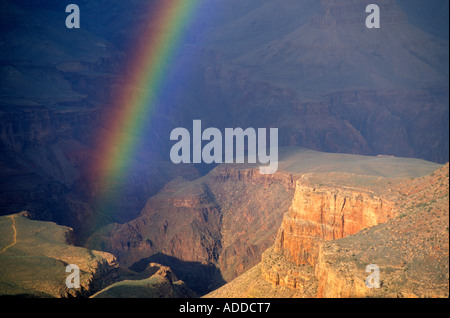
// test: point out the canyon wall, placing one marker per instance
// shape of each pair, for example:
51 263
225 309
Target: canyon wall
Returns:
411 250
317 215
322 214
409 247
224 220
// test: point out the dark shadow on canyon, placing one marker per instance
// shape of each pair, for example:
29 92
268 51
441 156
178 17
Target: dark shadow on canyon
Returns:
201 278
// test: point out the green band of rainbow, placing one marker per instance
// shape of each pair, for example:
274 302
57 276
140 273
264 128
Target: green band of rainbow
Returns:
148 67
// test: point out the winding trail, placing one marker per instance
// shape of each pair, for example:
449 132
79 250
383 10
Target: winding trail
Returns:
15 234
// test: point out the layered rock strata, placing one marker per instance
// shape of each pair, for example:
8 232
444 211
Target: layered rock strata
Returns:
409 250
322 214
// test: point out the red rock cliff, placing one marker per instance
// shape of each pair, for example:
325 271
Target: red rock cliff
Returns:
322 214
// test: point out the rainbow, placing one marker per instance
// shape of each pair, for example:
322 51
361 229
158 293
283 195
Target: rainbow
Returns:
147 70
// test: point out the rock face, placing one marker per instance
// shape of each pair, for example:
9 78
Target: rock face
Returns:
323 214
34 257
252 207
410 249
314 69
224 220
179 227
318 214
181 222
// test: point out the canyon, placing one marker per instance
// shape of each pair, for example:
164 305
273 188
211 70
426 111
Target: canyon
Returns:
54 98
336 268
215 228
278 235
362 119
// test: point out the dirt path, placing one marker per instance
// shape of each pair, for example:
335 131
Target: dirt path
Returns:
15 234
